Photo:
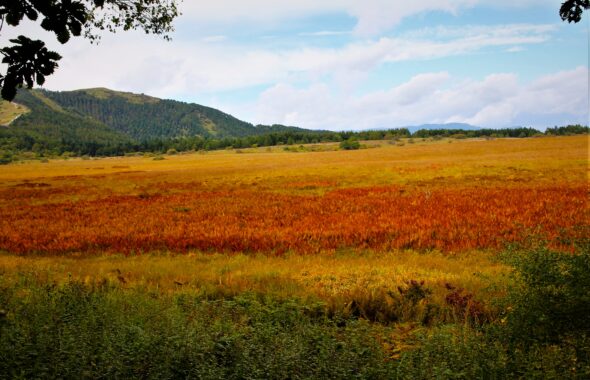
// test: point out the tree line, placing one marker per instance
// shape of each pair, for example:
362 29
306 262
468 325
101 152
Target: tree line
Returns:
13 143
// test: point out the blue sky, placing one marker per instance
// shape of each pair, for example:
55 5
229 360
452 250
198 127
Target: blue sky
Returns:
349 64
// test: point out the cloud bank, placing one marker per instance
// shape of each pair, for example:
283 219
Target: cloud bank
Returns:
497 101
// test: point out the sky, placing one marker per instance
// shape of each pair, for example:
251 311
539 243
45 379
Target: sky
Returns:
350 64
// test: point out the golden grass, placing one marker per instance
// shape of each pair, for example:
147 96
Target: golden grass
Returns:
472 163
465 162
324 275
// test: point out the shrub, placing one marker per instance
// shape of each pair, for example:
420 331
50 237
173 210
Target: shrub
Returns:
545 332
550 301
452 352
6 157
350 144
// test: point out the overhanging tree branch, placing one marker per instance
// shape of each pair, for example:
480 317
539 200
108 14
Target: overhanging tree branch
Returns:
571 10
29 61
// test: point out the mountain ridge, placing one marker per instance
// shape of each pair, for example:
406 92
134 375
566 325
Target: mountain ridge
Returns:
97 118
143 117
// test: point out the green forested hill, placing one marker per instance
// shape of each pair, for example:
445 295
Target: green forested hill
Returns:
104 122
142 117
47 125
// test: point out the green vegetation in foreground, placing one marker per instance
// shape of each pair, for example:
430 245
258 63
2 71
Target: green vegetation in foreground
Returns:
544 331
96 329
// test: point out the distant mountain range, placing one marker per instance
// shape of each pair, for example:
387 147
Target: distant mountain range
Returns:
103 116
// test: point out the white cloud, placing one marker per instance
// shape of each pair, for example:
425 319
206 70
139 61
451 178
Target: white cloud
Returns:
381 15
499 100
372 16
442 32
515 49
132 62
324 33
209 63
290 106
407 93
212 39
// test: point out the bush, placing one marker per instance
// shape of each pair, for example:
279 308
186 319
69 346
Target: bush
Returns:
544 333
6 158
452 352
350 144
550 301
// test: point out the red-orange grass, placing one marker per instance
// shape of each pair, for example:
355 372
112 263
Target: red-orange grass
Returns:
388 217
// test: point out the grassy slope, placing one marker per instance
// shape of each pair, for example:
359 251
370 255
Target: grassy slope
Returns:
10 112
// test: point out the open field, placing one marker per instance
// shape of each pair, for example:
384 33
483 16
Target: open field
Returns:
451 197
357 249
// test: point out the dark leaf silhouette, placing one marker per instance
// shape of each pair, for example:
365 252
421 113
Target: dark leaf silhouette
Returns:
29 61
571 10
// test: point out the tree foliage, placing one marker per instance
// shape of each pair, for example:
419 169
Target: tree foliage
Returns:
551 299
571 10
29 61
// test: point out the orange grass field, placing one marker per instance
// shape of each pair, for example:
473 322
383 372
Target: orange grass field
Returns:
450 196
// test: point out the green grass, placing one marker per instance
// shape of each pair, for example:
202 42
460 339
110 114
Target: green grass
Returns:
80 331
